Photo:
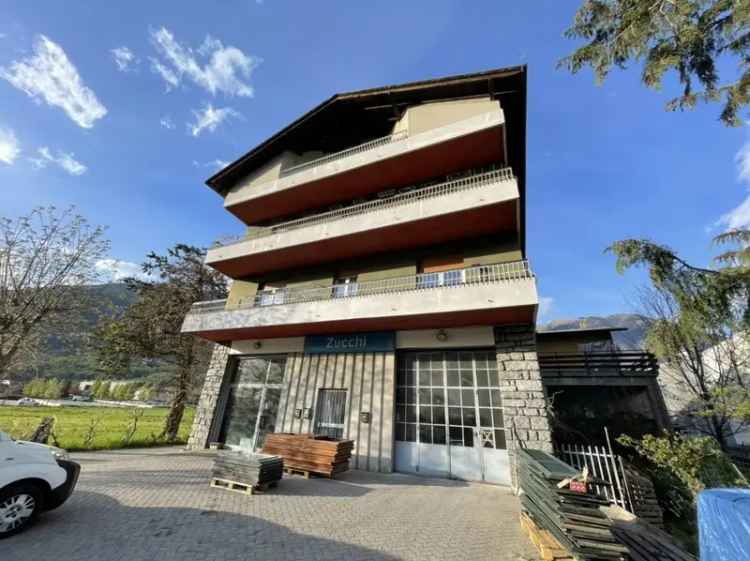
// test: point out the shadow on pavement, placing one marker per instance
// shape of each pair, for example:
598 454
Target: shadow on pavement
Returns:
93 526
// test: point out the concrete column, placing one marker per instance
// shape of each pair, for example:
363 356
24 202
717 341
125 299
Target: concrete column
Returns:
205 412
525 415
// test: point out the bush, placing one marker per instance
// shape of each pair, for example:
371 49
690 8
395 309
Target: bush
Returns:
680 468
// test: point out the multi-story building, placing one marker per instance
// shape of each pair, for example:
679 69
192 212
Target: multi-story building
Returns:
381 291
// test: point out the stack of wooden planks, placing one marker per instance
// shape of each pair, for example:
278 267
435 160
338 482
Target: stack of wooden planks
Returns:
573 519
307 453
645 541
246 472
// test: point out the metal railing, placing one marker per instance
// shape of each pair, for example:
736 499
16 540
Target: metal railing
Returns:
445 188
480 274
607 363
365 147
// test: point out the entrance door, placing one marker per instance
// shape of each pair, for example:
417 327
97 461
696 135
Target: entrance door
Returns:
449 418
253 402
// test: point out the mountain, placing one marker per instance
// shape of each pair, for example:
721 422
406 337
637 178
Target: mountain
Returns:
69 355
631 339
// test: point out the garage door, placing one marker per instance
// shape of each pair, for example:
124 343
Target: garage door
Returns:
449 417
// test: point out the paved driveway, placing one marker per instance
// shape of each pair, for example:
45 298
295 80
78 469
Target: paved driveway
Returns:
156 505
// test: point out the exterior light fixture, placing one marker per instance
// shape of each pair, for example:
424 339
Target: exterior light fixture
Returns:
364 417
441 335
308 413
257 345
298 413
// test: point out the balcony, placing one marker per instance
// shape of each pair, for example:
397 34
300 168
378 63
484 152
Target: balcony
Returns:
468 207
392 161
598 364
482 295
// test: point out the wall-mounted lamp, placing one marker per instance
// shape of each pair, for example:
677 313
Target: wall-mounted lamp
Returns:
298 413
441 335
364 417
257 345
308 413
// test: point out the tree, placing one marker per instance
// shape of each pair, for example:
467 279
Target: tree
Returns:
690 37
151 326
700 333
45 257
103 391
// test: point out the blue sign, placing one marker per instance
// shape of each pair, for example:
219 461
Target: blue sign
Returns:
373 342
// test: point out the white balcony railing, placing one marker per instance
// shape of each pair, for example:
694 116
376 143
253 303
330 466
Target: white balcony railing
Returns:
480 274
445 188
365 147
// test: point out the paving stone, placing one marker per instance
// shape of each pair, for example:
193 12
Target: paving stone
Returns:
147 505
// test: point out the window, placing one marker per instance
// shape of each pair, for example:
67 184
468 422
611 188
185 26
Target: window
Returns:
449 398
330 413
272 294
345 286
444 270
253 401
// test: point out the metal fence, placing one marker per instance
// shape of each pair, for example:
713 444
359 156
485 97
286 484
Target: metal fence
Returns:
480 274
445 188
423 281
603 464
364 147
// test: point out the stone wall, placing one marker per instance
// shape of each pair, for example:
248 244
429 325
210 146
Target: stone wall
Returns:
209 398
524 410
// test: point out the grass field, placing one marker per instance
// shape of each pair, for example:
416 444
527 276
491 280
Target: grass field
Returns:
72 425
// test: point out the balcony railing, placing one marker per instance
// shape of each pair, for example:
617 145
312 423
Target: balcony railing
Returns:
365 147
614 363
480 274
418 194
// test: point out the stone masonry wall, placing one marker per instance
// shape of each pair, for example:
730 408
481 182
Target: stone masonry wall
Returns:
206 409
524 410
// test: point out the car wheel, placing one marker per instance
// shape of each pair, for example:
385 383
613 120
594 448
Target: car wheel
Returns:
19 506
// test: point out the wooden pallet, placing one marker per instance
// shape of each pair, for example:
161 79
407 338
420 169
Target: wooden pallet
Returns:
549 548
307 473
238 487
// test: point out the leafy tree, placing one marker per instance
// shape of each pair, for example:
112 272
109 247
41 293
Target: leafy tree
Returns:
34 388
52 388
689 37
699 333
45 258
103 391
151 326
96 387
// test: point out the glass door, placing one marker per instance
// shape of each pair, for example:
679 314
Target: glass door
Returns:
253 402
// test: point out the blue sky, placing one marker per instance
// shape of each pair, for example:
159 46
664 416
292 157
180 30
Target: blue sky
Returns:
125 112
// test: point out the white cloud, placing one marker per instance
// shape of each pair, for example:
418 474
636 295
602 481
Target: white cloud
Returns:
171 79
216 164
115 270
9 146
546 304
209 118
50 76
64 160
124 59
739 217
167 122
226 69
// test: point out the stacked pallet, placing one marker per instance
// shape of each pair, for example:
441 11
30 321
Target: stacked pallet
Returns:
574 519
245 472
549 548
307 453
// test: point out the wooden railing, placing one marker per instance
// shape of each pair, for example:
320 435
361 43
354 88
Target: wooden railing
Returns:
608 363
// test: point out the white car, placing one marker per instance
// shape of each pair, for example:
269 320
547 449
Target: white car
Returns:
33 478
27 401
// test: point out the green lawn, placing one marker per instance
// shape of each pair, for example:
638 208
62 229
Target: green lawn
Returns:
72 425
